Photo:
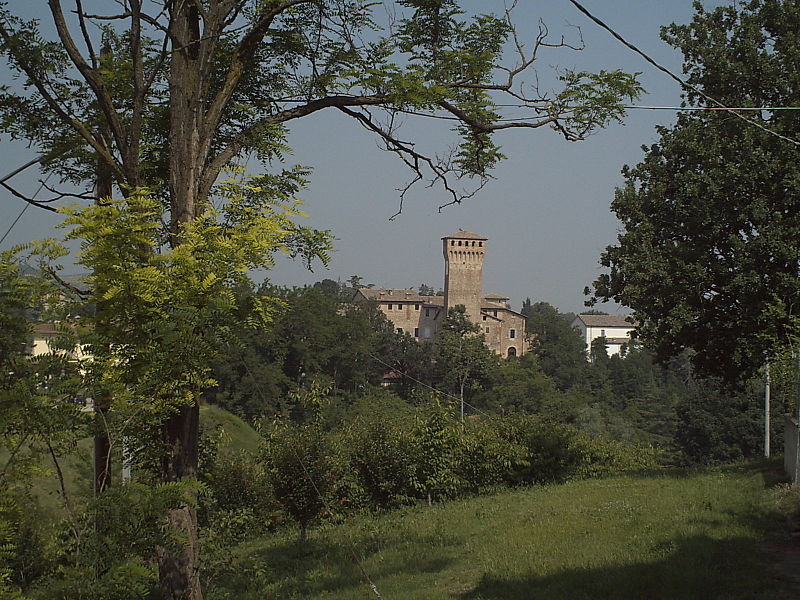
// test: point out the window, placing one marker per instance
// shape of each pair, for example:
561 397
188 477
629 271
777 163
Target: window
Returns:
427 312
416 307
487 330
484 317
459 242
400 330
512 352
416 331
512 334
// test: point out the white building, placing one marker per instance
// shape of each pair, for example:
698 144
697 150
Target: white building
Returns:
615 328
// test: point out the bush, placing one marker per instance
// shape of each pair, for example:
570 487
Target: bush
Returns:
484 458
379 452
555 453
239 483
434 453
299 464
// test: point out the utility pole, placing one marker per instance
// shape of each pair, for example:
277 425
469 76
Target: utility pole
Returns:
766 414
102 399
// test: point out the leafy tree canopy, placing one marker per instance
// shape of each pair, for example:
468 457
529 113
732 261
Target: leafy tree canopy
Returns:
708 258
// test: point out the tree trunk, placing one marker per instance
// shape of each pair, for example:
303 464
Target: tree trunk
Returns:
178 568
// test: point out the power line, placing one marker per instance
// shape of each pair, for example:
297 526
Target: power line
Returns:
713 108
430 387
19 216
684 84
27 204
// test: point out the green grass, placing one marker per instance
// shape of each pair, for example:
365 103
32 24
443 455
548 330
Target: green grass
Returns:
77 466
669 536
238 435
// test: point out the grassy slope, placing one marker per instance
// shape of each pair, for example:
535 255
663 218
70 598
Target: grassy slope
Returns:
77 467
238 435
669 536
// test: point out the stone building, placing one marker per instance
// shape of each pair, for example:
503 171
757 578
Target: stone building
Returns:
422 316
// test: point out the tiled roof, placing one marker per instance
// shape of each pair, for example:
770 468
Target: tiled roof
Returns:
493 297
607 321
45 330
465 235
400 296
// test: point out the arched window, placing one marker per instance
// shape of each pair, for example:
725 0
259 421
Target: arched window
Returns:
512 351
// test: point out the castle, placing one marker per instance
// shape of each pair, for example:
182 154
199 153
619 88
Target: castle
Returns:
422 316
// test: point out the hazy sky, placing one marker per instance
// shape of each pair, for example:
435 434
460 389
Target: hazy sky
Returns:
547 213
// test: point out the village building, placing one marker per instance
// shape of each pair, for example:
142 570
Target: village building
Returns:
422 316
616 329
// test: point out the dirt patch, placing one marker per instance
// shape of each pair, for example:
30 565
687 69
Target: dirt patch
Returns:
781 554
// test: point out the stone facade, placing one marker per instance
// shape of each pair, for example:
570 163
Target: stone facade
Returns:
422 316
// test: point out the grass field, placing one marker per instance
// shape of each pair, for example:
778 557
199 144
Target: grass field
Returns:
668 536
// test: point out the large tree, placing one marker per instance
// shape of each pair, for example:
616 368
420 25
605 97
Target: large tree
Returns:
167 95
710 251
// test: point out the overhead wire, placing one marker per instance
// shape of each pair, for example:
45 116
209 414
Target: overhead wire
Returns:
27 204
684 84
430 387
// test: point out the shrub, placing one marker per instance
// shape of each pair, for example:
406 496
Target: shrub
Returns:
484 458
556 453
434 452
299 464
380 454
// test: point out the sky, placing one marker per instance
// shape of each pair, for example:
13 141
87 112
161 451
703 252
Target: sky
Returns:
546 213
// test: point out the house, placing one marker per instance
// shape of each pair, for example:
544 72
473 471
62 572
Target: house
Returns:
422 316
616 329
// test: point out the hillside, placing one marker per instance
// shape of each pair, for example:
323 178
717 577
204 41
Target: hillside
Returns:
232 432
670 536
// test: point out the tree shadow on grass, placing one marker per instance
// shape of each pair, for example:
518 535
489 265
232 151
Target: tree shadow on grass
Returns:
329 563
698 567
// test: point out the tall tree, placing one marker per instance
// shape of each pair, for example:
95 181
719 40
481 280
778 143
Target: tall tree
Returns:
463 359
192 87
709 255
559 347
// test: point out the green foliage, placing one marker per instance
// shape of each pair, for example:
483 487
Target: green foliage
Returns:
434 452
484 457
108 550
463 360
719 426
558 453
558 347
708 256
380 451
299 470
671 536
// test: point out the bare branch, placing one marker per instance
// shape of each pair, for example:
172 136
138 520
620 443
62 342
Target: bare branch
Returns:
64 284
68 119
73 521
413 159
37 203
62 195
90 75
241 56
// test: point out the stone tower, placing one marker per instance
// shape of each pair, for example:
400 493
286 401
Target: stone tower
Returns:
463 271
